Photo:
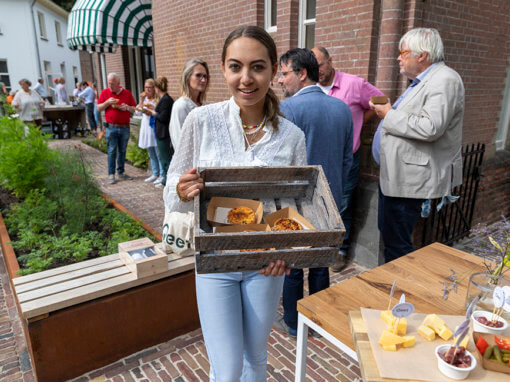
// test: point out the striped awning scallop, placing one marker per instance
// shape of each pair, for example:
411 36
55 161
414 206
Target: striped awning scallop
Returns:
102 25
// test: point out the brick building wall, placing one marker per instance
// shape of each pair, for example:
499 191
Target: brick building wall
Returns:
118 63
189 29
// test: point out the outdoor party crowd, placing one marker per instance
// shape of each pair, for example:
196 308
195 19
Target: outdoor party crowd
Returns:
417 145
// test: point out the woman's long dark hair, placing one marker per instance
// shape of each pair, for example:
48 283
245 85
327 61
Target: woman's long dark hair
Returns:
271 104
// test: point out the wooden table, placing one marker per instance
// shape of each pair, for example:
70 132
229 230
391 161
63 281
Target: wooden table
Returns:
418 275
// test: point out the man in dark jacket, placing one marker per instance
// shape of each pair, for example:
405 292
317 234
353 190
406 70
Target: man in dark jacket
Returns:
327 124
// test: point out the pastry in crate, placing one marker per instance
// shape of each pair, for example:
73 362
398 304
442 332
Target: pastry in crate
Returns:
256 249
286 224
241 215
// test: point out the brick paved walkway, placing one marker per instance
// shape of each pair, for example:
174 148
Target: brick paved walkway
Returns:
183 358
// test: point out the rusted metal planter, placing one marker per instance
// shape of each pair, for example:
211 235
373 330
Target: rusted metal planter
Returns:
73 340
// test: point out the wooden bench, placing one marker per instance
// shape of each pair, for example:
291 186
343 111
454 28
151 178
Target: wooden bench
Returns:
84 316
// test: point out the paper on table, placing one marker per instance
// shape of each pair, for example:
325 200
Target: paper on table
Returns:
419 362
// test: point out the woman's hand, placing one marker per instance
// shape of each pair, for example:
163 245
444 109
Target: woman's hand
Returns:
275 269
190 184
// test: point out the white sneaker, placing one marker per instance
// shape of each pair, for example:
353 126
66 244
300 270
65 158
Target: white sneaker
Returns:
159 180
159 185
151 178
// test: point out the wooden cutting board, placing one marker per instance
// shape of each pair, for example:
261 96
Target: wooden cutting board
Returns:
366 360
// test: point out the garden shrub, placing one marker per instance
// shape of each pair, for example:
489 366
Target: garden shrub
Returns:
139 157
24 156
62 217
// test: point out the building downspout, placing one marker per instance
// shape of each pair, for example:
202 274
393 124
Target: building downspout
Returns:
390 32
36 39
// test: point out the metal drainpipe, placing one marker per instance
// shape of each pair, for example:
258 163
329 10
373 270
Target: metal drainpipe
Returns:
390 32
36 40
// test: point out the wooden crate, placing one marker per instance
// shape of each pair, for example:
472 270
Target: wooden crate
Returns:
305 189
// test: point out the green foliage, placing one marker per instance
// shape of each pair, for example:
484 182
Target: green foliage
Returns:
76 193
135 155
24 156
139 157
99 144
63 218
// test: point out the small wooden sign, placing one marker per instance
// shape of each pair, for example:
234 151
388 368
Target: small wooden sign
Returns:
142 257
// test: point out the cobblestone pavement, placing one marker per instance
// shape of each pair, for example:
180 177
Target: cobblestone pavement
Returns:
183 358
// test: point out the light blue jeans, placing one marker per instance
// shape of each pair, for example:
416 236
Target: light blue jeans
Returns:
157 167
237 311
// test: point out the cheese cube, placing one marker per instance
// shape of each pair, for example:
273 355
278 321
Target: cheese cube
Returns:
426 333
387 317
433 322
390 347
445 333
402 326
391 320
408 341
388 338
464 342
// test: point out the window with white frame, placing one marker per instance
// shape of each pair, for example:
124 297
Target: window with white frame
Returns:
63 69
47 73
42 25
75 74
58 33
306 37
270 15
4 74
504 119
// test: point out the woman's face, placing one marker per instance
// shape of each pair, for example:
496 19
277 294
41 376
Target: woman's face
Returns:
25 86
198 80
248 71
149 90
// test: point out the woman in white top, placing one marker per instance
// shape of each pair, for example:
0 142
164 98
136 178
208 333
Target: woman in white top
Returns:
237 309
193 83
29 103
147 136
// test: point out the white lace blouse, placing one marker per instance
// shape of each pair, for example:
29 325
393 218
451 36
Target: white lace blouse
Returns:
212 136
180 110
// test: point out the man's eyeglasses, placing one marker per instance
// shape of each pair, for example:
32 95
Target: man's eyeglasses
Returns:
200 76
283 74
404 51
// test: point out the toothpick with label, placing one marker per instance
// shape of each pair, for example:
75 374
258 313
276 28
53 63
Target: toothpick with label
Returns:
401 310
391 294
498 297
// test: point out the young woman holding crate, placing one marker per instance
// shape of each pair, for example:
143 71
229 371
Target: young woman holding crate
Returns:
237 309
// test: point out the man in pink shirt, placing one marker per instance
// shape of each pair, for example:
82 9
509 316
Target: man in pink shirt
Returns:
356 93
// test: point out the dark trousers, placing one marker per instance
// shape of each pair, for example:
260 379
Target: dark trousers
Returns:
165 153
346 203
396 220
318 279
91 119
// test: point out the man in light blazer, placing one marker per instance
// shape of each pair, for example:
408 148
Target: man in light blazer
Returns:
418 143
327 124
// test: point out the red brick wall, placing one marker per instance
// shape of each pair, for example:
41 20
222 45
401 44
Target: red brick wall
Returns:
192 28
493 198
118 63
85 65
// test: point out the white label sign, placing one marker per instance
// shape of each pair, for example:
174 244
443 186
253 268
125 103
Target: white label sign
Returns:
506 291
498 297
403 310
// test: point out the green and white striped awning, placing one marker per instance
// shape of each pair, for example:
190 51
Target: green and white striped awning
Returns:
102 25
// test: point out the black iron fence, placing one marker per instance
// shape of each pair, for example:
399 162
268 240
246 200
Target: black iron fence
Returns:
453 221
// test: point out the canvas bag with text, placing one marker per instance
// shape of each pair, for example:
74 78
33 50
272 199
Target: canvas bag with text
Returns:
178 233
